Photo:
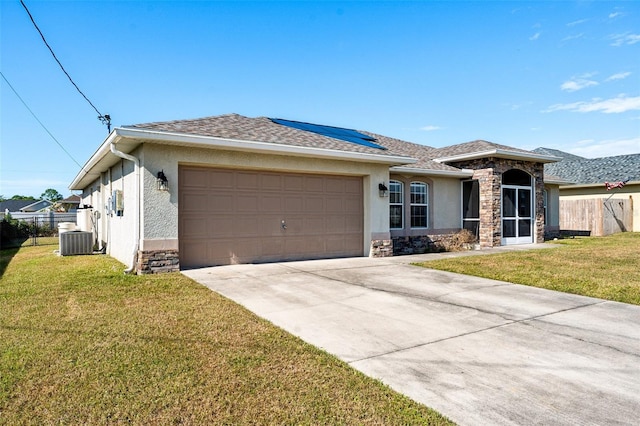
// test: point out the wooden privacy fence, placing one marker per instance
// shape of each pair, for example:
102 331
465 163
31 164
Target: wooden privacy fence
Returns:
601 216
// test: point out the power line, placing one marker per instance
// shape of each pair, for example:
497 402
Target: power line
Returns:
38 120
106 119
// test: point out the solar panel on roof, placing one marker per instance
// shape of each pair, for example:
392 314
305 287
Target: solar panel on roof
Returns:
347 135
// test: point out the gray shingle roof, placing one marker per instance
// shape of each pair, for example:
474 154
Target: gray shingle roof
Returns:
259 129
597 170
262 129
475 146
14 205
557 153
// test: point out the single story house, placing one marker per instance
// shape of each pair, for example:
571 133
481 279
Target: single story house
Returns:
604 178
232 189
10 206
36 206
69 204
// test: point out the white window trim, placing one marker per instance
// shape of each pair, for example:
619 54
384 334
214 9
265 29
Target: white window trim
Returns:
425 204
401 203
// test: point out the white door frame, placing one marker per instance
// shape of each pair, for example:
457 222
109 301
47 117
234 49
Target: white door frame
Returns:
517 239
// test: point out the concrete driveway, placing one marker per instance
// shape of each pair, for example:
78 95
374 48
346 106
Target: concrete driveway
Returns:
478 351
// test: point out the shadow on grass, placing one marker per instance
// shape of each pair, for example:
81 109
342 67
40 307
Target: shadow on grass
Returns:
6 254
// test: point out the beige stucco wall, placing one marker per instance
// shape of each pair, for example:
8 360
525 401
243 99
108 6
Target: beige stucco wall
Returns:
628 191
444 204
160 209
116 233
553 205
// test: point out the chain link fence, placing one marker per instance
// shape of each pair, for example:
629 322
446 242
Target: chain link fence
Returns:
27 229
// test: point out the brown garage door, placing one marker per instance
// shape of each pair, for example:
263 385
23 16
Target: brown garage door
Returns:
244 216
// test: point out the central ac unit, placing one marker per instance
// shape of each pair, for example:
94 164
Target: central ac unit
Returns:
76 242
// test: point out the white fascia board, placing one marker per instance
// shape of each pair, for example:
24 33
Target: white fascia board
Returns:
462 173
120 134
559 182
253 146
500 153
88 168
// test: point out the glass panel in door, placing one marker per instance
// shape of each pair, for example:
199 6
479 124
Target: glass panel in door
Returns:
509 212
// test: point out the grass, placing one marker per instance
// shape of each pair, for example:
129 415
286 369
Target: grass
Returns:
603 267
82 343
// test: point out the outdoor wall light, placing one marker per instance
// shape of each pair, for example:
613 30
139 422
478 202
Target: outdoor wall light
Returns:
162 183
384 191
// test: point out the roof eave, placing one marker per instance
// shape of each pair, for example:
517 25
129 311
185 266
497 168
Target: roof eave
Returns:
462 173
499 153
89 173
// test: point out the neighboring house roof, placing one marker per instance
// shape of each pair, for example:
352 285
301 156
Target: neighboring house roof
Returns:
68 204
14 205
598 170
564 156
36 206
265 135
72 199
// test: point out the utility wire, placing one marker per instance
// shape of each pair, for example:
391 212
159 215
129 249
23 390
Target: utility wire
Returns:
38 120
106 119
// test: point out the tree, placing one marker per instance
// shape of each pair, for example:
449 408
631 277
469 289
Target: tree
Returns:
23 197
51 195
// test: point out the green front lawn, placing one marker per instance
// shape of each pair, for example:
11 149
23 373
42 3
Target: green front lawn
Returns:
603 267
82 343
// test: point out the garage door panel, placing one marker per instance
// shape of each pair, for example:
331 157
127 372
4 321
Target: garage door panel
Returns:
218 203
196 201
336 223
294 204
192 226
293 183
271 182
314 184
247 181
247 226
218 180
273 248
235 216
247 203
352 206
270 203
314 204
336 244
219 227
314 225
354 224
194 178
335 185
335 204
353 187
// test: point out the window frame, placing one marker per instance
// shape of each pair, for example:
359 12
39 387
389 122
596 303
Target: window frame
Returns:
392 185
413 203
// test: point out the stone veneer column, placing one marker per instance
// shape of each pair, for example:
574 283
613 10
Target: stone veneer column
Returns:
490 220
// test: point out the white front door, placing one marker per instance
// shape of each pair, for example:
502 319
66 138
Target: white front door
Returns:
517 215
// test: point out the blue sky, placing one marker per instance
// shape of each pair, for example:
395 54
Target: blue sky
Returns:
558 74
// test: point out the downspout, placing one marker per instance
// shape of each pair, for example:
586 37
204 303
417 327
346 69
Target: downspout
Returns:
136 232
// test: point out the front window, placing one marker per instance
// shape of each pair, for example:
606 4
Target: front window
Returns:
419 205
471 206
396 196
